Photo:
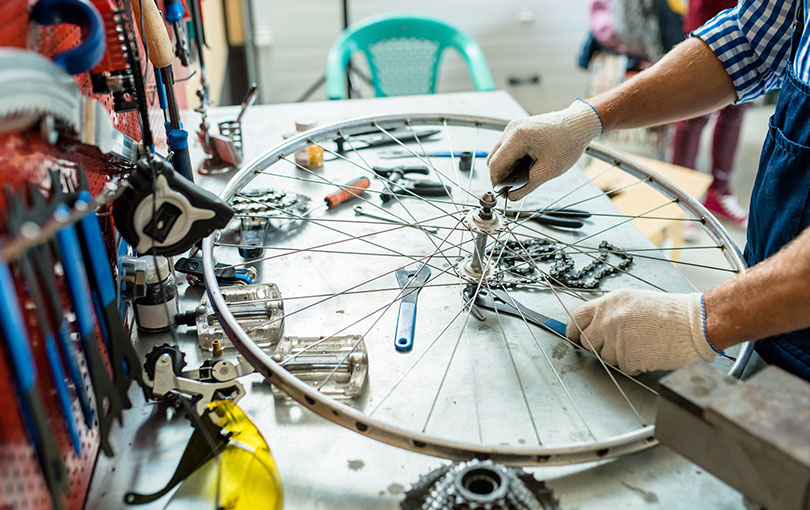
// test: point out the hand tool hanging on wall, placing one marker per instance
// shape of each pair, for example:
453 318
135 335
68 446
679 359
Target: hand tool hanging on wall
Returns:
82 14
398 180
14 221
24 373
32 87
183 213
174 13
123 357
161 56
44 268
71 257
411 282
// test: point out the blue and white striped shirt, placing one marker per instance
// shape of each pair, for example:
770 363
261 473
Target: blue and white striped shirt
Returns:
753 41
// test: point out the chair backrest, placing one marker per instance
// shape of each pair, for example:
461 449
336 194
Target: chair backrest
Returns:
403 53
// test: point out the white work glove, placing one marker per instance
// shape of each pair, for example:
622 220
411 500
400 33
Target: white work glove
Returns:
554 140
641 330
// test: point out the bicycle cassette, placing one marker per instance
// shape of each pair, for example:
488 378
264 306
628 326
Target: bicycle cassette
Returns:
479 484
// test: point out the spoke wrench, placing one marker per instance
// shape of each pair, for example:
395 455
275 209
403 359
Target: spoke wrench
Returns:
503 302
411 282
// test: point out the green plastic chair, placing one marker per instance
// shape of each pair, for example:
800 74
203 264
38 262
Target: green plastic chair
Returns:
403 53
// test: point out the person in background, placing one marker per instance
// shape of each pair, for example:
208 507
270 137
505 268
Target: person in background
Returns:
719 198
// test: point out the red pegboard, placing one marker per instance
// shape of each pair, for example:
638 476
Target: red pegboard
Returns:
26 158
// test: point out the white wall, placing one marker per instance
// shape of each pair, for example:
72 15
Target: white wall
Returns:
519 38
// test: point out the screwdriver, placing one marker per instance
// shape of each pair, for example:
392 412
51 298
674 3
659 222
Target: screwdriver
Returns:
161 56
347 192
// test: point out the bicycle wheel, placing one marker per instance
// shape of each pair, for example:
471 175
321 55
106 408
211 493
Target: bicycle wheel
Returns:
478 382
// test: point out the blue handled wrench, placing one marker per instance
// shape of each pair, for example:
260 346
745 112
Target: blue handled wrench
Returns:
29 397
411 282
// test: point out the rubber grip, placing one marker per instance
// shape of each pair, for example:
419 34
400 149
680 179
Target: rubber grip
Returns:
406 324
349 193
90 51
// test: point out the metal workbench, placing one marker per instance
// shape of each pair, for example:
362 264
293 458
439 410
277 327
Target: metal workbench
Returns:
325 466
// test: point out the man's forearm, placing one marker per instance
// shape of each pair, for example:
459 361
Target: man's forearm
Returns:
771 298
689 81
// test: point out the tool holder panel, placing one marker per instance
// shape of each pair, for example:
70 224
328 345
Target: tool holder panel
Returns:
27 158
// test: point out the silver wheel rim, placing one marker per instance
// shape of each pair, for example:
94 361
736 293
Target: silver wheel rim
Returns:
358 421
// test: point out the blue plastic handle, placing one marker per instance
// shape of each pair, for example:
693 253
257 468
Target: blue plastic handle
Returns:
83 14
554 326
406 324
11 322
456 154
62 392
174 10
91 231
74 273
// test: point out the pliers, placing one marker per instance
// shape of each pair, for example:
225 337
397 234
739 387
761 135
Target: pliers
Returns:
563 218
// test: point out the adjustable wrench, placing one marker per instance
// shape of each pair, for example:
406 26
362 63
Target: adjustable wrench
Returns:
411 282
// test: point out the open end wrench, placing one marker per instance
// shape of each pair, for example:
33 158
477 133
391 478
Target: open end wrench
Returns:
29 396
71 257
411 282
359 211
124 359
500 300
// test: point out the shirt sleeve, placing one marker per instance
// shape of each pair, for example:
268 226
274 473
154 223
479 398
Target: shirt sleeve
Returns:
752 40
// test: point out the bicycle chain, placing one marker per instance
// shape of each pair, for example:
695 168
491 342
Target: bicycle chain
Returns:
563 269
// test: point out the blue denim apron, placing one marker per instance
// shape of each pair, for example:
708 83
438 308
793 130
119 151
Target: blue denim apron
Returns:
779 201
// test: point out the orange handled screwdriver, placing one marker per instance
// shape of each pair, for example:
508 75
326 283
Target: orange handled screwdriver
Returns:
347 192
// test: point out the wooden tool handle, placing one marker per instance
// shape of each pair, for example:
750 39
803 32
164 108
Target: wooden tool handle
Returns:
157 38
349 193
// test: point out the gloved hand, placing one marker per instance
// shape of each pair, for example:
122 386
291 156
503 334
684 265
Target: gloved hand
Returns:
554 140
641 330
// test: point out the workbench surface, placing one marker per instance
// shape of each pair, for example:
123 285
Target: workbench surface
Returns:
326 466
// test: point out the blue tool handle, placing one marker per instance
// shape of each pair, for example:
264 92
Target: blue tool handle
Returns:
11 322
84 15
406 324
456 154
164 105
94 240
174 10
554 326
62 392
181 161
74 273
